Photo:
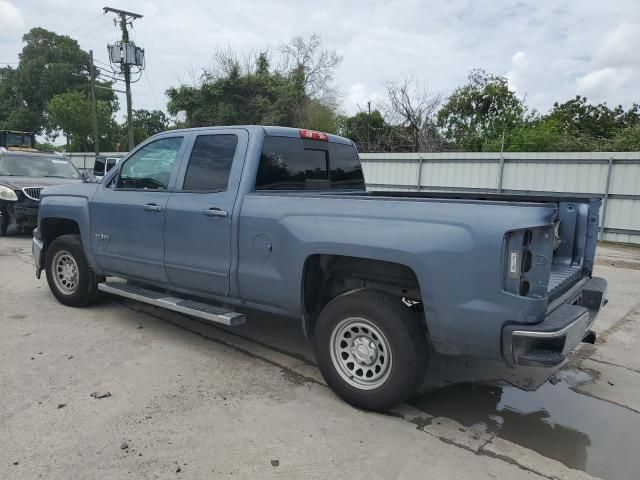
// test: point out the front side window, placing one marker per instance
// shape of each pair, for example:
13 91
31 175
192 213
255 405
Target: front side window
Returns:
150 167
210 163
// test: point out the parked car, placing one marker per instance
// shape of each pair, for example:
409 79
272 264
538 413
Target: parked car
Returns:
23 175
102 165
211 221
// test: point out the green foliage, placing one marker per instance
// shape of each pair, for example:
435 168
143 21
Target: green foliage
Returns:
50 64
239 92
579 117
145 124
480 111
368 130
49 91
626 140
71 113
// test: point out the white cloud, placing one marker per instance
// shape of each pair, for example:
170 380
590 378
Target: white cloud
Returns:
357 97
620 47
548 49
518 74
615 66
11 20
604 84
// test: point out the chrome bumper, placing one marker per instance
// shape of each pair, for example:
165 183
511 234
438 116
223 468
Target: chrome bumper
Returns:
547 343
36 249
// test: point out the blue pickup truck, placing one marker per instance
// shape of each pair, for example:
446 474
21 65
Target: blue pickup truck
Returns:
211 222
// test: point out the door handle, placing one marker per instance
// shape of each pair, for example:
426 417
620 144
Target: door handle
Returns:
152 207
215 212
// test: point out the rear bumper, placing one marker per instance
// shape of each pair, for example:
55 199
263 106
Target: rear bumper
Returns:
567 323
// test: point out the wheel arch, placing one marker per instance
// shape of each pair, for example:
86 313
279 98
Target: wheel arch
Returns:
326 276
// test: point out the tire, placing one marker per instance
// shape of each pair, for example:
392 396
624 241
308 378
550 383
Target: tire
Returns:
371 349
69 276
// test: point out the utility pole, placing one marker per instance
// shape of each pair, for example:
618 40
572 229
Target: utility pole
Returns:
126 17
94 109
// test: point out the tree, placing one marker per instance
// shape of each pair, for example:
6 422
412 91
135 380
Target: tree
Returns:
411 109
480 111
50 65
626 140
311 66
145 124
70 113
579 117
367 129
247 90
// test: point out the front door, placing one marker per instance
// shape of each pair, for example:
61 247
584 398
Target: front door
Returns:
199 216
127 213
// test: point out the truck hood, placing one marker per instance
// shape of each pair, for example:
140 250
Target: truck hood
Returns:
21 182
72 189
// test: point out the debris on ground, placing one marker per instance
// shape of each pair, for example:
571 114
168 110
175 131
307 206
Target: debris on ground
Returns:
275 463
124 446
103 394
62 405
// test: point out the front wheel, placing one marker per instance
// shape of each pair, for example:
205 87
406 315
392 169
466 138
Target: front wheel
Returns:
69 275
370 348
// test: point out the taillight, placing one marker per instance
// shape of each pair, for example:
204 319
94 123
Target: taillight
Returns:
528 261
313 135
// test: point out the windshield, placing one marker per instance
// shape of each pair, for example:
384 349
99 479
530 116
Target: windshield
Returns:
32 166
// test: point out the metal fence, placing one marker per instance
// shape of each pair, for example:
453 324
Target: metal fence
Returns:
613 176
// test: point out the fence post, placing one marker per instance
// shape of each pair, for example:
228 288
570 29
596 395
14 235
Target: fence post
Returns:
606 197
419 174
500 173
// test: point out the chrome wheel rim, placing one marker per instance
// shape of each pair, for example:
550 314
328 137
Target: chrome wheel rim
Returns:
65 272
360 353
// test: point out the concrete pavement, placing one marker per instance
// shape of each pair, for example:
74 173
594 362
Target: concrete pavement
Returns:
189 400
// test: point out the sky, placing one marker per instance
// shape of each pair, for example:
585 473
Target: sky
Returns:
550 50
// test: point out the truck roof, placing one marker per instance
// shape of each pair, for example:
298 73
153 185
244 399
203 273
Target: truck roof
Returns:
273 131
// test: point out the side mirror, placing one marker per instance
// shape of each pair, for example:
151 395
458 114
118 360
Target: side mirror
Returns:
88 176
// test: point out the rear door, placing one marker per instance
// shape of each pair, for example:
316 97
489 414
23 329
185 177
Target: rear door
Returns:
127 213
198 221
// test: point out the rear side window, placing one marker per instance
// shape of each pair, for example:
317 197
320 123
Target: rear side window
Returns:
288 163
346 171
210 163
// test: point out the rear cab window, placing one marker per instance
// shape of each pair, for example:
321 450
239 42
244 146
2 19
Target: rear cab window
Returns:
289 163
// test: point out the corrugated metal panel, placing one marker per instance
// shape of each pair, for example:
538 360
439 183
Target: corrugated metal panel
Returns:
623 214
563 173
557 176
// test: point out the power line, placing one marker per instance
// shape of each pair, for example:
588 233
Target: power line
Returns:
151 90
82 25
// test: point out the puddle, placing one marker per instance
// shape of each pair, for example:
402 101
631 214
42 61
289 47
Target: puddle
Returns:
580 431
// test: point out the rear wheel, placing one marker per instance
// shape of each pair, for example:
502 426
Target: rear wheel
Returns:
69 276
370 349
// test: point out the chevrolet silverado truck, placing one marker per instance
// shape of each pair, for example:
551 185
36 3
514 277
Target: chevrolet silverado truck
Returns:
215 222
